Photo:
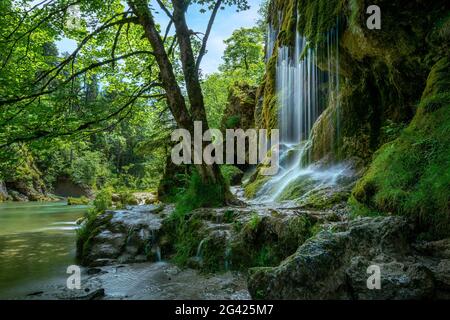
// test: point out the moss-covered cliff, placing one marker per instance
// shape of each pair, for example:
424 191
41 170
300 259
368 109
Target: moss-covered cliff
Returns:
410 175
383 90
383 72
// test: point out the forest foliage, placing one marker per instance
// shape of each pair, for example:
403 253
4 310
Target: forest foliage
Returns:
99 115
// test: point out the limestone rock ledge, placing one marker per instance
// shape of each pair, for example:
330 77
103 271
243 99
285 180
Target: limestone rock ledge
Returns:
333 265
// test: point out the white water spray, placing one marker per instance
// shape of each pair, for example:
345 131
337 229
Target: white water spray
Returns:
303 92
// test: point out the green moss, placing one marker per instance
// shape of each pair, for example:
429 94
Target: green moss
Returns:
252 188
88 230
127 198
269 111
77 201
258 244
200 195
103 200
186 238
233 122
231 174
439 79
433 102
214 254
324 200
296 189
298 230
254 223
91 224
318 17
410 175
229 216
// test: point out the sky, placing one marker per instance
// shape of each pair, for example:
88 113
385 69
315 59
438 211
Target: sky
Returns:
227 21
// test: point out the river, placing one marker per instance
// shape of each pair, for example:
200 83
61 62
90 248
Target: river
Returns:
37 244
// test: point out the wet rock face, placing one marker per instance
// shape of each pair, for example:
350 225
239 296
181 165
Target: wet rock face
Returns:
237 238
334 265
129 235
21 190
65 187
239 113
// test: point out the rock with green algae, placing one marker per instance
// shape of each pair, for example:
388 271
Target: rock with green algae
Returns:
3 191
122 236
71 201
333 265
239 113
237 238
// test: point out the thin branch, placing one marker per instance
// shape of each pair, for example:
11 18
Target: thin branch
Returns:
164 8
208 32
72 77
40 134
82 44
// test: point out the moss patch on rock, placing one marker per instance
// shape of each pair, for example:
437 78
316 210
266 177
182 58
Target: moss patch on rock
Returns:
266 241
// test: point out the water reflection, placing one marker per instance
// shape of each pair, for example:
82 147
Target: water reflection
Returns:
37 243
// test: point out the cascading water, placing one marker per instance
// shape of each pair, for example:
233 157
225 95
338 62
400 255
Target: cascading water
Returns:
303 92
272 34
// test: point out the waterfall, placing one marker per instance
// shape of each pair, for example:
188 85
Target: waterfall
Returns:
297 90
272 34
303 92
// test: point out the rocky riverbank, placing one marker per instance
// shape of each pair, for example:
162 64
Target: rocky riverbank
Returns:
149 281
288 253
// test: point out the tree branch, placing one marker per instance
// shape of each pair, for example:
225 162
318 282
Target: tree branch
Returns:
72 77
207 33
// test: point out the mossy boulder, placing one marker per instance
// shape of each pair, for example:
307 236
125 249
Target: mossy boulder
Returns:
239 113
235 238
120 236
232 174
240 110
334 265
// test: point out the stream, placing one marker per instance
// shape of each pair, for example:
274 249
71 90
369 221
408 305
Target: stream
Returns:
37 244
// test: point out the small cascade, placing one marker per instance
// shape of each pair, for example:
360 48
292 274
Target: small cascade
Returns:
158 253
199 249
272 35
304 92
227 257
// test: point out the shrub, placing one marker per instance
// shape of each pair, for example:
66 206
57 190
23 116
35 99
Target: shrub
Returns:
71 201
103 200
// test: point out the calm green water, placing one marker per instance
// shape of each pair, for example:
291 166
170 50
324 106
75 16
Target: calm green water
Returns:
37 244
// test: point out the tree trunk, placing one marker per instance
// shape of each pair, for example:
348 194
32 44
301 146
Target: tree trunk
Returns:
210 174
